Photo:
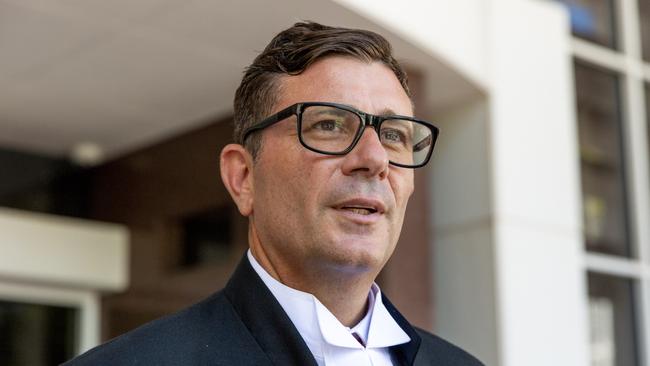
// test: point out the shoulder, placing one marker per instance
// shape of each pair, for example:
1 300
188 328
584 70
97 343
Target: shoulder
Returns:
204 333
435 350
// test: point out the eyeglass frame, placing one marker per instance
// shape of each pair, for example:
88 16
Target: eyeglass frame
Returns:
367 120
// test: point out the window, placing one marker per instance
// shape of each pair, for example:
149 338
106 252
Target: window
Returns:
602 163
644 22
207 237
43 184
593 20
611 315
36 334
612 75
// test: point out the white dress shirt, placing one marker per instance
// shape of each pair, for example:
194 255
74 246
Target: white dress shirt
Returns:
329 341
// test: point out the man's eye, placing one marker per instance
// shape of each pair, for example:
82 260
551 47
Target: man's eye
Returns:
327 125
392 136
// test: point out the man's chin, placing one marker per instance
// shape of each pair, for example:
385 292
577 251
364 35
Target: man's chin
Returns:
356 259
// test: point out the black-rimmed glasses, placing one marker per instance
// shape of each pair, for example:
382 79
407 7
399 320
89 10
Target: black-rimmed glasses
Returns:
335 129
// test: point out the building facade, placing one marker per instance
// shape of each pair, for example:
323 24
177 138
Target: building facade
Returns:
529 234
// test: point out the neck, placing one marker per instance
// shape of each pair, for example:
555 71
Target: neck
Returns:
346 298
344 294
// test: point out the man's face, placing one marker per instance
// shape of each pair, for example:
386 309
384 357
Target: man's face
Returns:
310 211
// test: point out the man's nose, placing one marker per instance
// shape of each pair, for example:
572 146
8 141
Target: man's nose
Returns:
369 157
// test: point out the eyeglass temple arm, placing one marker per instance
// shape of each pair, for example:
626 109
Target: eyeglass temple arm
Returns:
422 144
275 118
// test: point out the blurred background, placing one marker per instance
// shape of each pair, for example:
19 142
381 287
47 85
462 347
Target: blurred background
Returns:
527 241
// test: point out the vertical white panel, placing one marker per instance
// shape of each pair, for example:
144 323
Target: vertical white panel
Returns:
89 331
463 252
636 149
541 290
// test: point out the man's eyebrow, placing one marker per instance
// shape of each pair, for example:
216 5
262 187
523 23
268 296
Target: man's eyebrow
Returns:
387 112
338 112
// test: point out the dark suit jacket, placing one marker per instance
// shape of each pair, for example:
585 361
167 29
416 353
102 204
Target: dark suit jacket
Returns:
245 325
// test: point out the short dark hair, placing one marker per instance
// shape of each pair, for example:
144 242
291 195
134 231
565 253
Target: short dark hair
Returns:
291 52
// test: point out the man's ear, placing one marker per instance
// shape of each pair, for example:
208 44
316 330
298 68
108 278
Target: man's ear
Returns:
236 166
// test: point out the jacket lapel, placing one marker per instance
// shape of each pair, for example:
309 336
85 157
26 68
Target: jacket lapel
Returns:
404 354
276 334
265 318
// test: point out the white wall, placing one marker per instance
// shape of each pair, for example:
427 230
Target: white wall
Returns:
453 31
541 288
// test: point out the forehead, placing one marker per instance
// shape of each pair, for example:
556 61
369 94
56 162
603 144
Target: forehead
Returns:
369 86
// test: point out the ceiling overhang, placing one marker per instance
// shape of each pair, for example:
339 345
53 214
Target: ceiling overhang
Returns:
126 74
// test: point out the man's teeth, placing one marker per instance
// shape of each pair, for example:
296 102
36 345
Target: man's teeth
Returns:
359 211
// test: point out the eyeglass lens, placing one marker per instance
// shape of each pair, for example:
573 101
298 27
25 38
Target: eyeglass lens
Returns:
333 130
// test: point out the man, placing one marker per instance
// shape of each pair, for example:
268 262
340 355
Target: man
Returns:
323 169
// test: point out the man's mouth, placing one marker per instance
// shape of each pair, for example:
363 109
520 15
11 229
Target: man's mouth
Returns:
361 206
360 210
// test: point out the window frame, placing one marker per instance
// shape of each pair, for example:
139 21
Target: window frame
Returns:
627 61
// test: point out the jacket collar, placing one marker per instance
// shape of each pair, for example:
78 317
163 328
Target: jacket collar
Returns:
274 331
404 353
265 319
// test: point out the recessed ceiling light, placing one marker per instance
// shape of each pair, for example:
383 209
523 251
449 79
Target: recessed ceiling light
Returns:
87 154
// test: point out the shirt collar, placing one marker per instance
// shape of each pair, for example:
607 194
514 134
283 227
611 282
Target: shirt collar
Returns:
363 326
319 327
